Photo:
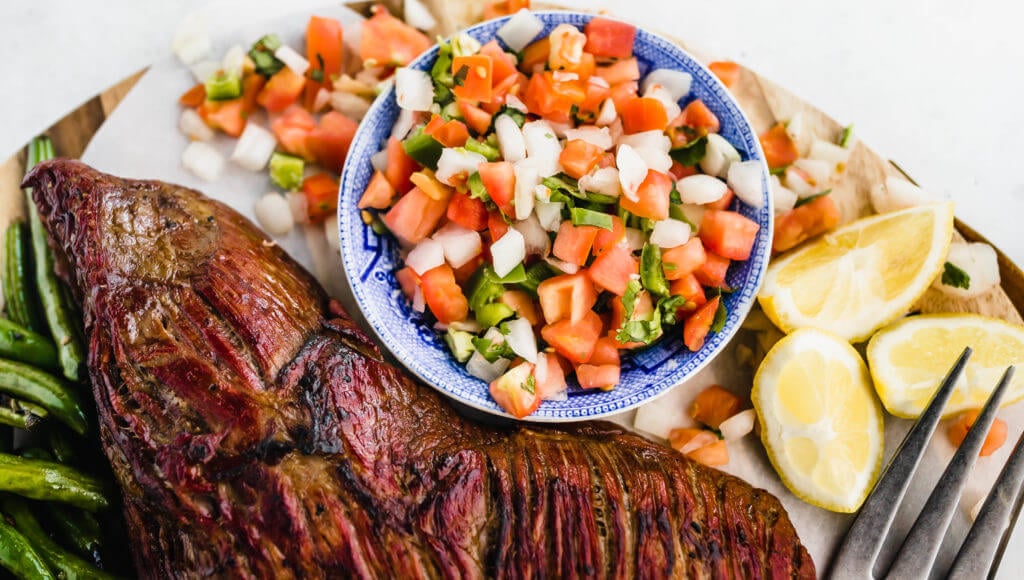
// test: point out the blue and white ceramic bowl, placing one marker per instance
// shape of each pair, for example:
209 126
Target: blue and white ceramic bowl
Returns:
370 260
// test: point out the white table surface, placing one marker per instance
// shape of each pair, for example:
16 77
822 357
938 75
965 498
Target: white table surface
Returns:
935 85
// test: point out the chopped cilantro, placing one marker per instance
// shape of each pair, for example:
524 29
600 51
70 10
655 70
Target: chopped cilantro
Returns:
460 76
530 386
690 154
720 315
811 198
954 277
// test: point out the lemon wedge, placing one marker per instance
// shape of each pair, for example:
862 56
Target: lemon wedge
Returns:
820 421
910 358
863 275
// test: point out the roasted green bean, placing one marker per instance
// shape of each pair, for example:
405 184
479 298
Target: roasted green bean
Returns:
21 344
50 481
19 556
19 285
66 563
31 384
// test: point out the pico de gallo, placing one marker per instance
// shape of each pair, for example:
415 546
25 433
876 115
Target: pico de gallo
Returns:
555 209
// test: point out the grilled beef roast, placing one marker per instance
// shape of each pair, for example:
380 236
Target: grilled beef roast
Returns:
255 430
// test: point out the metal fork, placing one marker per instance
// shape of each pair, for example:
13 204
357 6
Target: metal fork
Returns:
982 550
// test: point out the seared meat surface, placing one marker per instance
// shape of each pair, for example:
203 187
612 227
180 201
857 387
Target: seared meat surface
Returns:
255 430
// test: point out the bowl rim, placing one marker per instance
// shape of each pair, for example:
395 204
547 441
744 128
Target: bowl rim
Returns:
649 394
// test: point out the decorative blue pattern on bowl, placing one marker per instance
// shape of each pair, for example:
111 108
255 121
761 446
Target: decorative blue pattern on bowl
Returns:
369 259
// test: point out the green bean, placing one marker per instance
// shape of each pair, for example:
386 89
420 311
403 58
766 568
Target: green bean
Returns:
21 344
36 386
19 556
58 310
50 481
61 444
19 287
66 563
21 414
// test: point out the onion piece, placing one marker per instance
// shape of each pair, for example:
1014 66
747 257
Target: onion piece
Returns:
527 180
426 256
632 170
332 233
273 214
469 325
745 181
799 182
981 264
508 252
419 303
203 160
604 180
510 139
655 158
607 115
549 215
634 239
670 233
513 102
540 372
562 266
598 136
897 194
676 83
193 126
655 139
700 440
478 366
204 69
404 123
798 132
693 214
521 339
700 189
417 15
254 147
664 96
783 198
542 147
835 156
738 426
352 106
460 245
819 171
379 160
191 41
718 156
233 61
535 237
292 59
414 89
299 206
520 30
454 162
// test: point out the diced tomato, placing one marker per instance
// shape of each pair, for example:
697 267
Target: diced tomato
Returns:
325 53
728 233
329 142
503 64
573 243
579 157
567 296
535 55
549 375
496 225
652 197
682 438
727 71
452 133
407 281
566 52
473 75
962 424
714 405
623 71
643 114
805 222
511 393
592 376
606 352
553 99
228 116
611 270
679 171
499 180
476 118
511 86
607 239
779 148
574 340
292 130
321 191
387 41
522 304
500 8
697 326
400 166
641 309
194 96
609 38
596 94
252 86
698 116
681 261
281 90
443 295
379 194
623 93
714 270
688 287
464 272
468 212
435 123
723 202
415 216
713 454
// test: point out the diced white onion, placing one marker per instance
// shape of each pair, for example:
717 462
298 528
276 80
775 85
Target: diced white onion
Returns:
677 83
604 180
819 171
203 160
656 140
414 89
549 215
332 233
670 233
466 326
204 69
193 126
513 102
799 182
700 440
693 214
273 214
417 15
379 160
738 426
835 156
979 261
598 136
632 170
718 156
521 339
655 159
607 115
635 239
897 194
527 179
797 130
510 139
745 181
535 237
299 206
191 40
478 366
664 96
321 100
783 198
426 256
464 45
541 193
292 59
508 252
254 147
700 189
352 106
455 162
520 30
542 147
460 245
233 61
404 123
563 266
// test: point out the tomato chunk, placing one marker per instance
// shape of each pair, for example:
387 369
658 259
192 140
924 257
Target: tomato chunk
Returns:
535 55
779 148
644 114
324 51
642 308
728 234
652 197
574 340
688 287
522 304
612 270
697 326
443 295
606 352
281 90
607 239
450 134
408 281
400 166
468 212
415 216
962 424
328 143
594 376
387 41
623 71
550 375
292 131
496 225
573 243
321 192
713 454
512 393
474 76
379 194
477 119
805 222
193 97
499 180
567 296
228 116
714 405
681 261
503 64
609 38
714 271
579 157
727 71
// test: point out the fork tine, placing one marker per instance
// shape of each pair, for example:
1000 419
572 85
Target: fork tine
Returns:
856 556
979 553
921 545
